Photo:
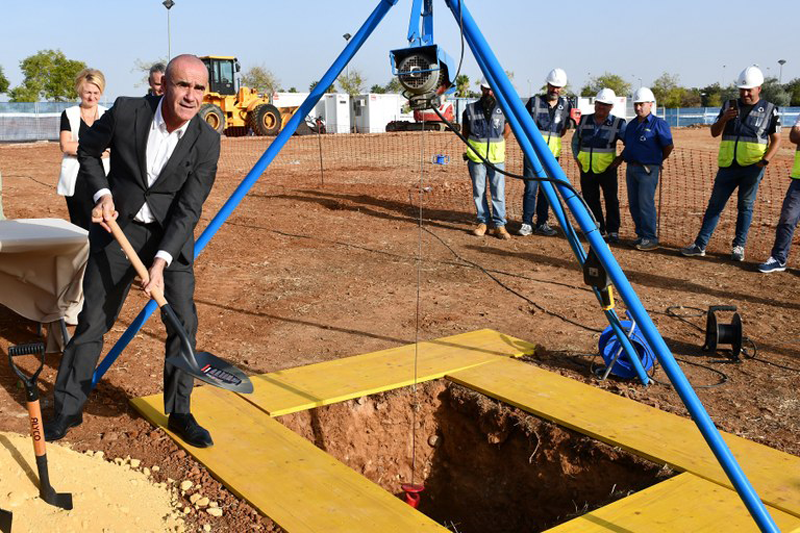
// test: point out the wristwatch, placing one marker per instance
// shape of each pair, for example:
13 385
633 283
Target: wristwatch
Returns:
765 162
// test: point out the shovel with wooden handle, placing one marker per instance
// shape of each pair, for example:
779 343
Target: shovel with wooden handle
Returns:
46 490
201 365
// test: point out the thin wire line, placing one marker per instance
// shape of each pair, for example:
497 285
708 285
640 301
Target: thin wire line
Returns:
419 285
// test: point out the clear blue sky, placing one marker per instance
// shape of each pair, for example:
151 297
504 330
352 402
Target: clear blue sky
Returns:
298 40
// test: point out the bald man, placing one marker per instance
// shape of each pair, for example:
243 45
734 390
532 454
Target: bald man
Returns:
163 165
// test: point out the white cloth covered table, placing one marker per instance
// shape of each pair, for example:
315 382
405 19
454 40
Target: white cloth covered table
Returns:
42 261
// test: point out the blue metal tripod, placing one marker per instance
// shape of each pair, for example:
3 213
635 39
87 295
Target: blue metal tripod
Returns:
545 165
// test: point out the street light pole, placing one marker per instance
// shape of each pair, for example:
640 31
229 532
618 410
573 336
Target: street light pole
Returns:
781 62
168 4
347 37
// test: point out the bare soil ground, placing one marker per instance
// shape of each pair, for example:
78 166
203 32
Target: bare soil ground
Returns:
316 266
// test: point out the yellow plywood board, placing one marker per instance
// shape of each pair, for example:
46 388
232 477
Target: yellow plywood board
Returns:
297 389
287 478
682 503
654 434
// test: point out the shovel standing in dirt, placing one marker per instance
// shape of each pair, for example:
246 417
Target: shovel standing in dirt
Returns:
46 491
201 365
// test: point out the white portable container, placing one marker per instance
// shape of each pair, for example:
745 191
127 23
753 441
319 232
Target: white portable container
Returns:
335 111
288 99
371 112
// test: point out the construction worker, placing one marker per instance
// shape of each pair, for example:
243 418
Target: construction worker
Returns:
550 112
594 147
648 142
486 130
790 214
750 129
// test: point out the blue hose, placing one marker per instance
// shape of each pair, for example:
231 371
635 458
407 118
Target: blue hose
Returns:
609 347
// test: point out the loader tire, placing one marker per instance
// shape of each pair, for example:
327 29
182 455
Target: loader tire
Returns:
265 119
213 116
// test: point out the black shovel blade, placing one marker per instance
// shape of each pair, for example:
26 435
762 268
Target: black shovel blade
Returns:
58 499
203 365
6 518
46 490
214 371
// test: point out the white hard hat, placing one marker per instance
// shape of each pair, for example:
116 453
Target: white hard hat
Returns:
557 77
643 94
606 96
750 77
485 85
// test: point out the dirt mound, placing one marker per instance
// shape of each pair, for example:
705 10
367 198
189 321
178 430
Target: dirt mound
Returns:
107 496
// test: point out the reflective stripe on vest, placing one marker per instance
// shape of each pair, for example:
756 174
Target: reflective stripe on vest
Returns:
550 130
486 137
796 166
596 152
746 140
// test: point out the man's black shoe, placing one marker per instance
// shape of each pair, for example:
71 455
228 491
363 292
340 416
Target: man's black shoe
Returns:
56 428
189 430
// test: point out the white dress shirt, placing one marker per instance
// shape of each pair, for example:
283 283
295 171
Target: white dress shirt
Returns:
160 145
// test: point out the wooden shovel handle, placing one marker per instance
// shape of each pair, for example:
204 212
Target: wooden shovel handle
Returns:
133 257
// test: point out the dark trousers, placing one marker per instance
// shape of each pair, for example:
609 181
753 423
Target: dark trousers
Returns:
80 205
106 283
591 184
533 199
790 216
727 180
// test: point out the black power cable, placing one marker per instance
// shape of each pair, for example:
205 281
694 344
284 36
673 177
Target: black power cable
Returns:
509 289
748 354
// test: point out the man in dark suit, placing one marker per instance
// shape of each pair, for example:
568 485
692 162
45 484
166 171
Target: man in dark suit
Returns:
163 165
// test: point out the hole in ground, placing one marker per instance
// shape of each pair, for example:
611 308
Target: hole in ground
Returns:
486 466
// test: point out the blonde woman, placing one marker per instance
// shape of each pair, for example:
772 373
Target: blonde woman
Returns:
89 84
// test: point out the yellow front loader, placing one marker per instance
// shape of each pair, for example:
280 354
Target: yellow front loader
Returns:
236 112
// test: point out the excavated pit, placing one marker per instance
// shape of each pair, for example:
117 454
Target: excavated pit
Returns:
486 466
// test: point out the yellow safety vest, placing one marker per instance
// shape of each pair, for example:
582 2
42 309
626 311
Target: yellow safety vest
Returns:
746 140
550 129
486 136
597 145
796 167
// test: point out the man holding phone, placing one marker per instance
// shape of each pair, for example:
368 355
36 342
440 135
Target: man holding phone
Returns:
750 129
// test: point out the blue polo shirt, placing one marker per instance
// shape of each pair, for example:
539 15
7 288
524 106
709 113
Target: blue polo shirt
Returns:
645 140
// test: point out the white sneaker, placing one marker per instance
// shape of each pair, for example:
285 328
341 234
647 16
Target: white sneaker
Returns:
737 254
525 230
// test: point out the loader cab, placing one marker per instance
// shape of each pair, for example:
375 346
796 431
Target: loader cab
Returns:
221 74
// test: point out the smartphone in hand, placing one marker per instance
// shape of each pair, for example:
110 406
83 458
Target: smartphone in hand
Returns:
733 104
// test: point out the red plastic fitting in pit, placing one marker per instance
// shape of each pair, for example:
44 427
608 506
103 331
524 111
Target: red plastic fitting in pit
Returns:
412 491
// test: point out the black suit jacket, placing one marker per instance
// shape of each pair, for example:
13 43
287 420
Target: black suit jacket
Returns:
175 198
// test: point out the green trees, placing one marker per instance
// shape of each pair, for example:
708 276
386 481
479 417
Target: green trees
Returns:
611 81
352 82
48 75
793 89
3 82
261 79
774 92
313 84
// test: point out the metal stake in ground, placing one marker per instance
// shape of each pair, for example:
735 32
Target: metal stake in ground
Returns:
201 365
46 491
